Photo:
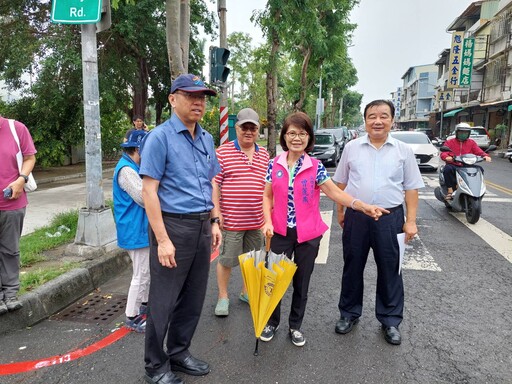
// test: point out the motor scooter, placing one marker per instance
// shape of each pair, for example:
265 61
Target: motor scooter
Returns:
470 190
508 153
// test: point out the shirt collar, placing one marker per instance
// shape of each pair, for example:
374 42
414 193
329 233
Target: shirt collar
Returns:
180 127
389 140
237 145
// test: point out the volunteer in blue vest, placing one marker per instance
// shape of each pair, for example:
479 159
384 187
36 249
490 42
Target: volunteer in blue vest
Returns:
291 209
132 228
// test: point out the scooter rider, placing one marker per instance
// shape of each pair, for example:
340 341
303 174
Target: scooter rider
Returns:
460 145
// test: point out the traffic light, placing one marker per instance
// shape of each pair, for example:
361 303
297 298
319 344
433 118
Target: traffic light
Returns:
218 60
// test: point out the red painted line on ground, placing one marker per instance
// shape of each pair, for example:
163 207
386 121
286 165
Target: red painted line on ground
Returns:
26 366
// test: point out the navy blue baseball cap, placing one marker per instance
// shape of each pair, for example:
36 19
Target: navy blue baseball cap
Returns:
191 83
135 139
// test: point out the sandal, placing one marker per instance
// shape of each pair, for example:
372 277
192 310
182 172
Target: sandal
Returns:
448 197
244 297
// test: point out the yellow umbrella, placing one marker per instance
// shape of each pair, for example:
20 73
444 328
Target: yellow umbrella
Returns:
267 277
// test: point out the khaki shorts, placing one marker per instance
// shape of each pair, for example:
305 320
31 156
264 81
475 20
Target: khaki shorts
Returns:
234 243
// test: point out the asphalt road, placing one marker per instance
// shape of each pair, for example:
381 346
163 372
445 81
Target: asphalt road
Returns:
456 327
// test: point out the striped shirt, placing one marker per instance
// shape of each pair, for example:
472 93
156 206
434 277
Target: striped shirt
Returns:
241 185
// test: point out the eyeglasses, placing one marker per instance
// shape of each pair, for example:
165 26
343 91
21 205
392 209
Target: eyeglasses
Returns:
193 96
251 129
293 135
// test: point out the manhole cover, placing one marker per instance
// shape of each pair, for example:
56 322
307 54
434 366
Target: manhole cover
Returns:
94 308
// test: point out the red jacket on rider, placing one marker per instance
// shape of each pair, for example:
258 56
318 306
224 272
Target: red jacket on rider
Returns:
461 148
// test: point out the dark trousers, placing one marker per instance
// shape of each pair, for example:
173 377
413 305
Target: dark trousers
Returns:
304 256
449 176
11 226
360 233
176 295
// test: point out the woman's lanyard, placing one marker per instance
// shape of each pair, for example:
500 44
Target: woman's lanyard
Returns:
205 152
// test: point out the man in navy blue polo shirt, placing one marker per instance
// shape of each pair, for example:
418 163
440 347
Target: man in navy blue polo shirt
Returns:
178 163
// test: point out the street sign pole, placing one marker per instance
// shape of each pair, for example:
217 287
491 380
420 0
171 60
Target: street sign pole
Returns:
96 225
223 107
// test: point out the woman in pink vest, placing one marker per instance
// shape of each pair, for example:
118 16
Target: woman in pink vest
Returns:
291 207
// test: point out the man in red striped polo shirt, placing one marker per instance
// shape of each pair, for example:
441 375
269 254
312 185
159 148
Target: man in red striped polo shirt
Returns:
238 198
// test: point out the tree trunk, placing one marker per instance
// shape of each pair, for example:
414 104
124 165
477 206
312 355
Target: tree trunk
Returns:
185 32
140 89
299 104
174 53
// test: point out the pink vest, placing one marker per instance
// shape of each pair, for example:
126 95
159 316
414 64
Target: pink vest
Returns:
306 197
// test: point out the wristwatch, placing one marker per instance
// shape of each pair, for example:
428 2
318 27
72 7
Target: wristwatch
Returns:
215 220
25 177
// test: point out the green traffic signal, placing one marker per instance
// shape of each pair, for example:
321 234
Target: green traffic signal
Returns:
218 59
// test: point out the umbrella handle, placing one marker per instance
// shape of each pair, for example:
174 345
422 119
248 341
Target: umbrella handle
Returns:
268 237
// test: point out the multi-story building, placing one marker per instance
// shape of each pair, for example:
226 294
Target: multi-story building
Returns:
396 97
486 100
417 96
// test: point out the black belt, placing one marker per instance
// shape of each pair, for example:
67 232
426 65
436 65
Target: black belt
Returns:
191 216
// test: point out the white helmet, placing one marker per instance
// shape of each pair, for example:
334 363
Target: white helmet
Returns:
462 131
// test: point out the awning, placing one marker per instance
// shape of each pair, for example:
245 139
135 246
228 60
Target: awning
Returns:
453 112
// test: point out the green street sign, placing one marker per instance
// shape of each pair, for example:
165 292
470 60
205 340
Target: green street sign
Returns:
76 11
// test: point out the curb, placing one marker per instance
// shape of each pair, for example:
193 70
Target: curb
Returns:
57 294
54 179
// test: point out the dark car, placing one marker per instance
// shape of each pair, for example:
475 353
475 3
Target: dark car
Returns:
326 148
340 133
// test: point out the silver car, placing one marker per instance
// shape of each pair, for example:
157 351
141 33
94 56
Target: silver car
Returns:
479 134
427 155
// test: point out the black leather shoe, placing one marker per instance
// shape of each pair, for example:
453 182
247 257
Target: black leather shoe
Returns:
191 366
163 378
345 325
392 335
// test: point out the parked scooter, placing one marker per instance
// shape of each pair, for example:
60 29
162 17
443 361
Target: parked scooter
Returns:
508 154
470 190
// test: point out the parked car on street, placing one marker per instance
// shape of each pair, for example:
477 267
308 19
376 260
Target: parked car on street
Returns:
340 133
426 131
427 156
326 149
479 134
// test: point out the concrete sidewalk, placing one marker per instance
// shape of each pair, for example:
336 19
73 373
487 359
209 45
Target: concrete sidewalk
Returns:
96 265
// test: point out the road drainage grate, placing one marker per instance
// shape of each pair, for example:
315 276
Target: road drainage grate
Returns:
95 309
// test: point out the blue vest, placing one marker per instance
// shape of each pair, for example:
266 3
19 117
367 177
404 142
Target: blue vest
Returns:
131 219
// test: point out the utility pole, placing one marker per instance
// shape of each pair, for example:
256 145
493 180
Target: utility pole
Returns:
319 104
341 111
223 43
96 225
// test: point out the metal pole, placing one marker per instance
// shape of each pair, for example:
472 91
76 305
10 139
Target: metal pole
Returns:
223 43
441 124
341 111
319 103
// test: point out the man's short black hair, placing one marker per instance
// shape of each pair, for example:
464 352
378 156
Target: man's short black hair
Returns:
378 102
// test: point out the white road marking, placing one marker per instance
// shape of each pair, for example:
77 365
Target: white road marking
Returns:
418 257
496 238
323 252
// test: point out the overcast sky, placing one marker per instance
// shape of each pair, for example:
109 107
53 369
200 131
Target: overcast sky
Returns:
391 36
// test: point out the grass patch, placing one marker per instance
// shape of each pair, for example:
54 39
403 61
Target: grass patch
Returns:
34 244
31 280
60 231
